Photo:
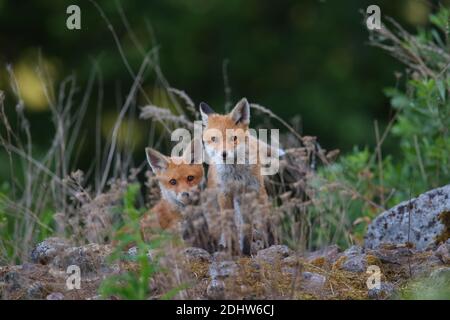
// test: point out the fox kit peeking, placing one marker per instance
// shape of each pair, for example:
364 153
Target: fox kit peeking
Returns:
179 182
224 138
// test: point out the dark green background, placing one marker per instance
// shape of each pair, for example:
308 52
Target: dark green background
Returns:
299 58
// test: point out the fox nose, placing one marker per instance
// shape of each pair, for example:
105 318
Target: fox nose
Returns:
185 194
224 154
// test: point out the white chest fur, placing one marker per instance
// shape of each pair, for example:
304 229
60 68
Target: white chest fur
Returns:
237 178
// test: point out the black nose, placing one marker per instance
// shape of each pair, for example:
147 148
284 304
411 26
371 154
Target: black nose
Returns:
185 194
224 154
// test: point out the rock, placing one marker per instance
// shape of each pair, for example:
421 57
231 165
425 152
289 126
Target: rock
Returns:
326 255
222 269
354 260
353 250
290 270
132 254
274 254
291 261
11 281
45 251
356 263
291 265
197 254
35 291
90 258
385 290
393 255
219 270
424 218
55 296
216 290
443 253
313 281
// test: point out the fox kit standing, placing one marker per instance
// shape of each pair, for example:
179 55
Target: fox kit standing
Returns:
224 138
179 182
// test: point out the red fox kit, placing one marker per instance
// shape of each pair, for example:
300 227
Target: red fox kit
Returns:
232 178
179 182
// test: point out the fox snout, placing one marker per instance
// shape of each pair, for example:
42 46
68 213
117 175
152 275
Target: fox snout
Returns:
188 197
223 155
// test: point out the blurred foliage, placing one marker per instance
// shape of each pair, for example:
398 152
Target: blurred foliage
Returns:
133 284
435 287
367 181
307 58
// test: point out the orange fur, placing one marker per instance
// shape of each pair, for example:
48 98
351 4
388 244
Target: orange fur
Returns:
188 178
232 180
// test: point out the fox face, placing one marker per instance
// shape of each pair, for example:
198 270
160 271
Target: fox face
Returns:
225 137
179 181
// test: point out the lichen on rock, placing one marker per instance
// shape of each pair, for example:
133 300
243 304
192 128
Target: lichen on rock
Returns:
423 221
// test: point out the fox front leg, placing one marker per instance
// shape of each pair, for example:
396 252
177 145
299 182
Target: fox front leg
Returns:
229 234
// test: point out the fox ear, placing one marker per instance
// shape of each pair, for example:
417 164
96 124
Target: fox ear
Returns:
241 112
205 110
157 161
194 152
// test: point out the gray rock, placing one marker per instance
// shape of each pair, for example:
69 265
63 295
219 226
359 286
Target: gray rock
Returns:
90 258
420 218
35 291
11 281
216 290
355 259
132 252
274 253
222 269
45 251
313 281
355 263
330 254
290 270
353 251
292 261
55 296
385 290
197 254
443 253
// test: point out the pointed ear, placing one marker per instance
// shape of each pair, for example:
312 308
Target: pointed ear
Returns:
205 110
241 112
194 152
157 161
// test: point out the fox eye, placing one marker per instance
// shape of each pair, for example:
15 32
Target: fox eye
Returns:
173 182
190 178
213 139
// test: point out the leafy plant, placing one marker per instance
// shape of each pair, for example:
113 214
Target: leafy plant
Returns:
365 182
134 284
